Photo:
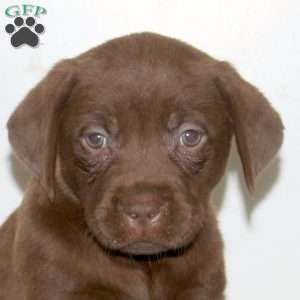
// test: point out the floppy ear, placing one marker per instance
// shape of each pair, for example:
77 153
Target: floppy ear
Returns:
33 126
257 126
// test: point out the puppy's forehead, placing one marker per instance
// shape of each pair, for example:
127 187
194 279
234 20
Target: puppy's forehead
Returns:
142 87
147 76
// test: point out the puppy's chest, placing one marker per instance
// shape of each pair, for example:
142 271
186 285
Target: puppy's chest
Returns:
108 278
160 285
135 286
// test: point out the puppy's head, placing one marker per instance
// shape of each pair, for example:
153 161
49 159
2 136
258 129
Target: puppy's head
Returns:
139 129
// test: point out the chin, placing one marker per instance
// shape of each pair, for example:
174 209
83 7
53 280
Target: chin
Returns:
143 248
146 248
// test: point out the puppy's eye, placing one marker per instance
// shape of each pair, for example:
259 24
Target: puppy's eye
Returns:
190 137
95 140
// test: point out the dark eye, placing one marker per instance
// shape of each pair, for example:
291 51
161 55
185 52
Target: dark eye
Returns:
95 140
190 138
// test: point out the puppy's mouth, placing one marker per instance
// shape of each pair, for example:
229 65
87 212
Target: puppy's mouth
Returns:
144 250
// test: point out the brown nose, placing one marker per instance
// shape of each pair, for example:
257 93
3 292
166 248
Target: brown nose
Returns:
143 209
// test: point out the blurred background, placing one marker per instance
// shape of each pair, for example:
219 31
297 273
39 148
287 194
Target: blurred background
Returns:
262 39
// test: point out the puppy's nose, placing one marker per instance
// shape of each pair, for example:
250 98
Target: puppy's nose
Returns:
143 210
143 213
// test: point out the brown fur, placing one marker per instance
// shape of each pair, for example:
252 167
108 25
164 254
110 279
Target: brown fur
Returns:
74 235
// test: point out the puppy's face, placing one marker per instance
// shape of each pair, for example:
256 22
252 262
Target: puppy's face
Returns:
142 150
141 128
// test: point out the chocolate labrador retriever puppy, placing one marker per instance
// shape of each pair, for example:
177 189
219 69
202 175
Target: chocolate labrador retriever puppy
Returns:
125 144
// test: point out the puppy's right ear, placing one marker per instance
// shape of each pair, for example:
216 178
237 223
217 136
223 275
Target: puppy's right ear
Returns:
33 126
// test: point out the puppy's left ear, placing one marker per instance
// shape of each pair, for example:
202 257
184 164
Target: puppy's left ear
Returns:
257 126
33 126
